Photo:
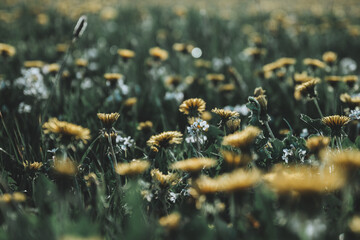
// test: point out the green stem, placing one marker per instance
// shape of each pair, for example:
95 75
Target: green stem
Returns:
317 107
112 150
269 130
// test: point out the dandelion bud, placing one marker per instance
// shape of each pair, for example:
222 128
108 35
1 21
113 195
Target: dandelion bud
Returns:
80 27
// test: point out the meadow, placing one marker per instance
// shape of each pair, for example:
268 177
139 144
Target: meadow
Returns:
135 121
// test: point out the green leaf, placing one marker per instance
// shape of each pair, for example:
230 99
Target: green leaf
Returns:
316 124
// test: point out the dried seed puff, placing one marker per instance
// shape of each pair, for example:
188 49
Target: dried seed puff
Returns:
315 63
335 122
132 168
193 106
66 130
243 139
126 54
108 119
306 89
304 180
317 143
236 180
7 50
158 53
193 164
329 57
170 222
165 139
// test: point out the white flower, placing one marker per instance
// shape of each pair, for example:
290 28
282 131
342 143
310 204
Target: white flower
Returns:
354 114
348 65
32 82
125 142
173 196
24 108
286 154
177 96
304 133
86 84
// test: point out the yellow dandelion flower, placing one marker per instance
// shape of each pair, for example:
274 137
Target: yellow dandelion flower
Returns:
315 63
227 88
270 67
145 126
108 13
304 180
91 179
235 159
126 54
350 80
112 78
335 122
333 80
254 52
233 124
18 197
130 102
236 180
5 198
329 57
243 139
193 164
306 89
284 131
183 48
346 158
134 167
194 106
170 222
34 64
80 62
62 47
215 78
163 179
317 143
354 224
64 167
225 114
42 18
206 116
7 50
172 81
108 119
352 102
285 62
303 77
200 63
158 53
32 166
66 130
53 68
259 91
165 139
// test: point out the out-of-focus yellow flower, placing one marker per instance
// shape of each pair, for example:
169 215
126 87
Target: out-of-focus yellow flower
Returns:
66 130
64 167
243 139
134 167
193 164
170 222
158 53
126 54
7 50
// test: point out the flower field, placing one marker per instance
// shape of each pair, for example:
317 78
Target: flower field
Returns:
134 120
